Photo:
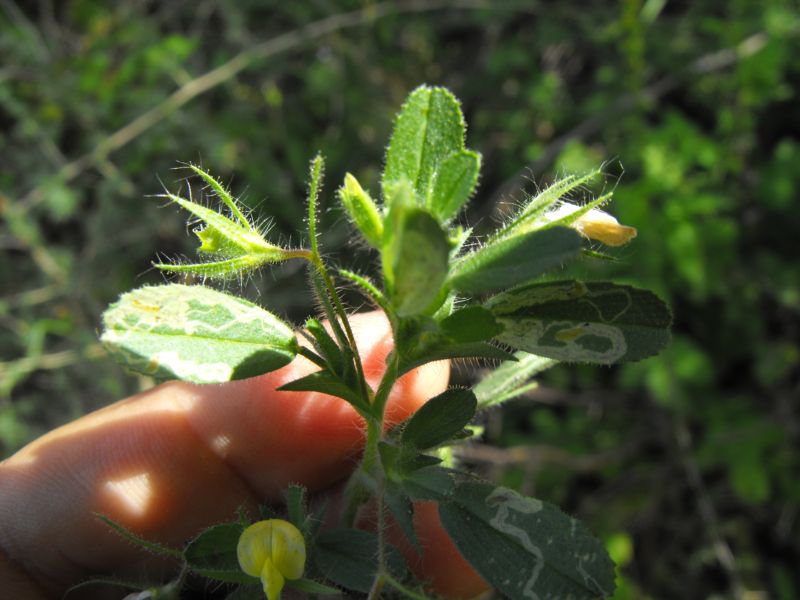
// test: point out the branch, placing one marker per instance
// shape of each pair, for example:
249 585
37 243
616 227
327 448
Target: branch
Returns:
226 71
714 61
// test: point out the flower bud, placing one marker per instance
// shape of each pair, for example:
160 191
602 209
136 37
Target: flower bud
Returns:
594 224
362 210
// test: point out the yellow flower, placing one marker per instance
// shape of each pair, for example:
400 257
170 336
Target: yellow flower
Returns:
595 224
274 551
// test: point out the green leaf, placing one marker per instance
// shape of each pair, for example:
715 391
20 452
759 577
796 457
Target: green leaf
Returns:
296 504
596 322
213 554
228 239
524 547
439 419
511 379
326 383
419 257
247 592
470 324
108 581
195 334
447 350
453 183
537 206
362 210
309 586
218 269
367 288
514 260
348 557
412 462
428 129
153 547
402 510
399 199
223 195
431 483
326 345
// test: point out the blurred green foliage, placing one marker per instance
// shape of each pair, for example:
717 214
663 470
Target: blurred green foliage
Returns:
687 463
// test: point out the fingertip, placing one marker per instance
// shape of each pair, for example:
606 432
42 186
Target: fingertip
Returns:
415 388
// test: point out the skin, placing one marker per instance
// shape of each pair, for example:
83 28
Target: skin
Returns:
171 461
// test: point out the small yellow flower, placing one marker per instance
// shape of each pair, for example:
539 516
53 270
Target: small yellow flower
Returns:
595 224
274 551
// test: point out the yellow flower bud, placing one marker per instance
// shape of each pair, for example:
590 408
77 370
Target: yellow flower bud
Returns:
273 550
595 224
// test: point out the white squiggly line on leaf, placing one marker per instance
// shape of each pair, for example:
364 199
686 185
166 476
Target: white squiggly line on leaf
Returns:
507 500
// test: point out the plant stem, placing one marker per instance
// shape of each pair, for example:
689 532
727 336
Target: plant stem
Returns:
342 314
371 467
316 259
377 586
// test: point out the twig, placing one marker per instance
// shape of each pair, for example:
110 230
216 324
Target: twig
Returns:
722 550
32 297
714 61
541 455
230 69
54 360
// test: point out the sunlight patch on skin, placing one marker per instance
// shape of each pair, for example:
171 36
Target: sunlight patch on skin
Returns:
221 444
133 494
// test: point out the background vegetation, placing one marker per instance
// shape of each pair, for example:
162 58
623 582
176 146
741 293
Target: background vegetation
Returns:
686 464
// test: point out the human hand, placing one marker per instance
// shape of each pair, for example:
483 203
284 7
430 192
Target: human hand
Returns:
170 461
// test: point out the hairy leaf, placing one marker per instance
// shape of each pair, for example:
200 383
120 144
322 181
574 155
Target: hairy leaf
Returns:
326 383
453 183
514 260
309 586
419 262
137 540
195 334
511 379
597 322
448 350
326 345
348 557
537 206
213 554
296 504
439 419
524 547
470 324
428 129
399 504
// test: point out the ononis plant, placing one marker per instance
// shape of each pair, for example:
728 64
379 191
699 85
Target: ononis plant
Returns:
446 296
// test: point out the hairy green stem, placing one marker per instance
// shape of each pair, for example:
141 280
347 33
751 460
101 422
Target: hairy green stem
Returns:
377 586
372 465
370 473
316 259
345 322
